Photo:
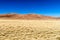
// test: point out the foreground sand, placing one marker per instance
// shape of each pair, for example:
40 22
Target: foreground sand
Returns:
29 29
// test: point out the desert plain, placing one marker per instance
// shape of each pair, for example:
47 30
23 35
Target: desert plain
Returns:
29 29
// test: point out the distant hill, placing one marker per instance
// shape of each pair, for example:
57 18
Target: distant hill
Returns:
25 16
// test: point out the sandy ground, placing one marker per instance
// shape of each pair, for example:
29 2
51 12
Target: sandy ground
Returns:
29 29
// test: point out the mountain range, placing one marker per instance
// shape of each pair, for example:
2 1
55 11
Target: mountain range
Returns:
25 16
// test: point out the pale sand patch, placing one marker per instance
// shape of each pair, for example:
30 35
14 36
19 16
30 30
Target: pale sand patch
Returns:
29 29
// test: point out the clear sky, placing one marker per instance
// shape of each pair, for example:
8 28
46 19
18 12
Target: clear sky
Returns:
44 7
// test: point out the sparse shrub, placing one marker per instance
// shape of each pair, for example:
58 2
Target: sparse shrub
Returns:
58 38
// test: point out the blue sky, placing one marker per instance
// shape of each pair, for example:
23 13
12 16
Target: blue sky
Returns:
44 7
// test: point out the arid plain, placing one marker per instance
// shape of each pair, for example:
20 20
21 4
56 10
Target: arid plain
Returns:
29 27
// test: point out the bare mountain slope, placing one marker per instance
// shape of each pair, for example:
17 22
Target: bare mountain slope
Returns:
25 16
